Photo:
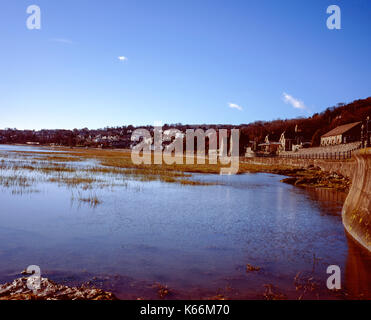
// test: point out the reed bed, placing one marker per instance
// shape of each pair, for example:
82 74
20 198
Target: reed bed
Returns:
112 162
119 163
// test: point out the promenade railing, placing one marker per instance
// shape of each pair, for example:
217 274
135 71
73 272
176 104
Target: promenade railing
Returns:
335 155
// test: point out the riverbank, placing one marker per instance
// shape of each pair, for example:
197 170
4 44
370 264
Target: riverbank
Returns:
317 178
304 285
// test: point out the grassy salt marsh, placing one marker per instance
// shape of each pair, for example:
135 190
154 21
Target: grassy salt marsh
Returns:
85 167
85 170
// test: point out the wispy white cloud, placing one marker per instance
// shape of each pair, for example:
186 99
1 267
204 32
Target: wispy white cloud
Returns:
296 103
234 106
122 58
62 40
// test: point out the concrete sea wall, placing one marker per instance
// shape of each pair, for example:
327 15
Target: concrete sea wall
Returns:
357 206
343 167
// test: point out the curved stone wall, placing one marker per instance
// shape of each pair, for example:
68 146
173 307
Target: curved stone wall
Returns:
357 206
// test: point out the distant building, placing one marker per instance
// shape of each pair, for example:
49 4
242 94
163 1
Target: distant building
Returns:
301 145
269 146
286 142
343 134
249 153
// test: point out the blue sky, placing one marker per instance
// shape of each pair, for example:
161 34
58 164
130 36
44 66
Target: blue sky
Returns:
208 61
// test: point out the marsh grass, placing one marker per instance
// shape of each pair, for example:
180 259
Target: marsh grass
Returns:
58 158
54 168
16 181
18 184
22 191
74 181
92 199
118 164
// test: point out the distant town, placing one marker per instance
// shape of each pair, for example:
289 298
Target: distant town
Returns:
344 126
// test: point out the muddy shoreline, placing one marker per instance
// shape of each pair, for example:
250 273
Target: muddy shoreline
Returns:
49 290
315 178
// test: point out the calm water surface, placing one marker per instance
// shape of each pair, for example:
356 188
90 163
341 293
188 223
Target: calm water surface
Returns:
192 238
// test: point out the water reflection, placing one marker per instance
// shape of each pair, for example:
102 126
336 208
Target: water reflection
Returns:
358 270
330 201
4 147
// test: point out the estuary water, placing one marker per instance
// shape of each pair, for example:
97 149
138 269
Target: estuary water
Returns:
196 240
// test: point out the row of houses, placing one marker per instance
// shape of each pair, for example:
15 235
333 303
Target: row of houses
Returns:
346 133
343 134
288 141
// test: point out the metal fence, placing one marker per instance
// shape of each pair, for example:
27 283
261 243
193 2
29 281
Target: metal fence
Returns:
339 155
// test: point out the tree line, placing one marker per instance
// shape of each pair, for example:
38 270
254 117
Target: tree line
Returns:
310 129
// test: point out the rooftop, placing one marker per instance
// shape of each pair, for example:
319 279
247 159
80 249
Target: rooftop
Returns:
340 130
